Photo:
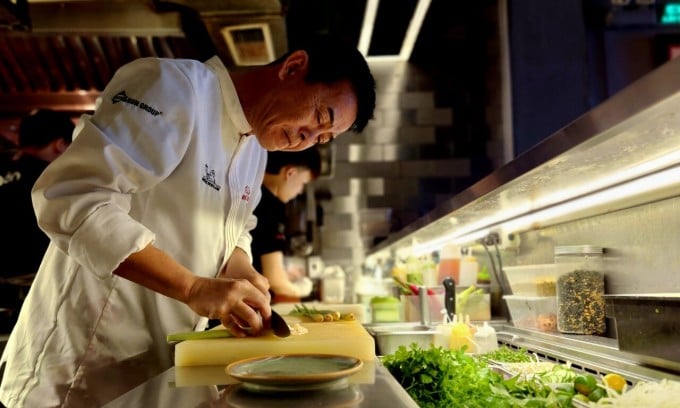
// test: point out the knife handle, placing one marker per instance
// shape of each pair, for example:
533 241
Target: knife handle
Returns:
449 297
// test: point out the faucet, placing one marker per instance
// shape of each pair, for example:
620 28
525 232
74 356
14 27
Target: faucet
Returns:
424 306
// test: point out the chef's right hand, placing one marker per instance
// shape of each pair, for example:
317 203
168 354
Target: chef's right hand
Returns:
237 303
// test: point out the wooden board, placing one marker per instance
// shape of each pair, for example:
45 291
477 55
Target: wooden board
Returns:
344 338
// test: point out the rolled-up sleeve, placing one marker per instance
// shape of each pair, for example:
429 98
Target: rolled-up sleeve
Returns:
136 137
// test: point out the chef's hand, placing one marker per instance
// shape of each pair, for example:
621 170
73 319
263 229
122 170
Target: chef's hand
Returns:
237 303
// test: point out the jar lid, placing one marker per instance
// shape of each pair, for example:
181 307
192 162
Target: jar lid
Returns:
578 250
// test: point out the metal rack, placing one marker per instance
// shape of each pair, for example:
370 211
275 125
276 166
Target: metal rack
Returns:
593 354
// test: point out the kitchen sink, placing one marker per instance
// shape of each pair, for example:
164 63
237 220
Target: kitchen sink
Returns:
389 336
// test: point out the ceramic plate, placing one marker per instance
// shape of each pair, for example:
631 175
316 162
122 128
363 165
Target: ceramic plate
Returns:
294 371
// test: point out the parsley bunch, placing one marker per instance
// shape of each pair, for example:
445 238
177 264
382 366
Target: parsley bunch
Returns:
437 377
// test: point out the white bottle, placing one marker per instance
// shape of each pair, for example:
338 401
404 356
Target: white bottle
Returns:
469 268
485 338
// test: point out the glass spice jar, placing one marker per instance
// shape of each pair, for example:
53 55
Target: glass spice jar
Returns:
580 289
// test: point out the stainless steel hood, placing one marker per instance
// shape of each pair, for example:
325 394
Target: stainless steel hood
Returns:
62 53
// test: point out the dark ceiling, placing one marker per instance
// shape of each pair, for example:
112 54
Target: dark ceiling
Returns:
61 53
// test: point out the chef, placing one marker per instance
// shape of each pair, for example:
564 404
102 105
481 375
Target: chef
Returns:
149 213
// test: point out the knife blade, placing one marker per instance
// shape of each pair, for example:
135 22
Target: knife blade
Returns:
279 326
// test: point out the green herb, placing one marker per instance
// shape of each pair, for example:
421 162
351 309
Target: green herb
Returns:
437 377
505 354
441 378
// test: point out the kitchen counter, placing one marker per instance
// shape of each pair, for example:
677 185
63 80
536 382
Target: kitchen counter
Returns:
211 387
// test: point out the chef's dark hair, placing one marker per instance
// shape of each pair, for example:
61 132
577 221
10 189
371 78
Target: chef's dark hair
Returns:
332 60
309 158
44 126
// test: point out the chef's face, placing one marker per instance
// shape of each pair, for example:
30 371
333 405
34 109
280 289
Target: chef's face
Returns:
296 115
296 179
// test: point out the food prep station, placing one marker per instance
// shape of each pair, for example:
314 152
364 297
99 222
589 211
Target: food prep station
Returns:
595 207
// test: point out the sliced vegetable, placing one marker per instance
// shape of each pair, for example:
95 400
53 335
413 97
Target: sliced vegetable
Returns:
198 335
317 315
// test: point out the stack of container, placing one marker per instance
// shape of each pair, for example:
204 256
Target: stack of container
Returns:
533 303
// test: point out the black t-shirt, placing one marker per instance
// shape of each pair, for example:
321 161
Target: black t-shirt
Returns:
270 233
22 244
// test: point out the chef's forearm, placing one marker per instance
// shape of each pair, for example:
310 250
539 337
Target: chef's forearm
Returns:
238 262
239 267
156 270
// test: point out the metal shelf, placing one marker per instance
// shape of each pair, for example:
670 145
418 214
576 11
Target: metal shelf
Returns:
594 354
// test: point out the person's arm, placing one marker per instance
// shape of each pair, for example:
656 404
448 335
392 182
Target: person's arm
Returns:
230 299
274 270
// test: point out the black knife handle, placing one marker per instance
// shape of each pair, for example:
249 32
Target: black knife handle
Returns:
449 296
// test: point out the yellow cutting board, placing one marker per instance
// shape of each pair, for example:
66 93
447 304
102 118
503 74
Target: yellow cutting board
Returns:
347 338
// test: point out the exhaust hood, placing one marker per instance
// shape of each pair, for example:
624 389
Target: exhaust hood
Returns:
61 54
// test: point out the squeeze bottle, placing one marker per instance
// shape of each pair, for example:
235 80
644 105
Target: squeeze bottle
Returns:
449 263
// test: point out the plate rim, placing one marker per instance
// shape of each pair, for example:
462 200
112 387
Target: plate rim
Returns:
295 378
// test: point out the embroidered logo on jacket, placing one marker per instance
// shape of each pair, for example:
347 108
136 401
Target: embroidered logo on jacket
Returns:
209 178
10 177
122 97
246 194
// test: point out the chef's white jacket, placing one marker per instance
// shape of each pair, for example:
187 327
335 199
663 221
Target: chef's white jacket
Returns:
163 160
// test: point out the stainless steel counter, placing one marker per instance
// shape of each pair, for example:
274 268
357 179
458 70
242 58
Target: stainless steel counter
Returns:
179 387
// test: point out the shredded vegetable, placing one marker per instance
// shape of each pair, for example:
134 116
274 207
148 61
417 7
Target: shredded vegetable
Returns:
664 394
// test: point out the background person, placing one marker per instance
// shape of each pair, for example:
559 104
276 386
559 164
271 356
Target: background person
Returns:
285 178
149 213
42 137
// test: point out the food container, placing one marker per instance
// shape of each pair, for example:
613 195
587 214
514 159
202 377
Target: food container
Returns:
647 324
532 280
580 289
434 301
533 312
473 301
385 309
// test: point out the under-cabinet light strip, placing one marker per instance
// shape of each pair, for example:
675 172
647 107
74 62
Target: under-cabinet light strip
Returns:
637 187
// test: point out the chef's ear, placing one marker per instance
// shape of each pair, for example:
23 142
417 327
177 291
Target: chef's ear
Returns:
294 65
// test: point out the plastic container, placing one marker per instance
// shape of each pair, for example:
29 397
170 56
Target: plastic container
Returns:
532 280
533 312
385 309
474 302
580 289
435 303
449 263
333 285
469 267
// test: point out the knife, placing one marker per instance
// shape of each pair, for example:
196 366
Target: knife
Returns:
279 326
277 323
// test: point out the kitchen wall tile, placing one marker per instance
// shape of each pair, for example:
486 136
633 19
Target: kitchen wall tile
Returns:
437 116
338 222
